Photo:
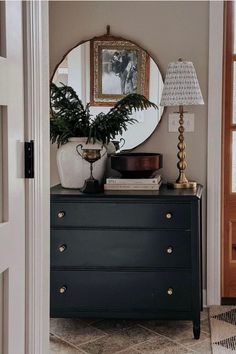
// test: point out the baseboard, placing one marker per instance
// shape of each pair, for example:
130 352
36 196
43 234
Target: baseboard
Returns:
204 297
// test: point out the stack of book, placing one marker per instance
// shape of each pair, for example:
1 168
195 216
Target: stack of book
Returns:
126 184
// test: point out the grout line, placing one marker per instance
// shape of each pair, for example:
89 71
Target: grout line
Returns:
123 330
78 347
176 341
95 328
126 349
190 345
205 340
114 330
149 340
138 351
82 351
134 345
201 341
93 340
65 341
162 335
205 332
131 347
110 334
91 322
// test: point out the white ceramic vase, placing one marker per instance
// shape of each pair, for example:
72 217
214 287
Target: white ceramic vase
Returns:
72 169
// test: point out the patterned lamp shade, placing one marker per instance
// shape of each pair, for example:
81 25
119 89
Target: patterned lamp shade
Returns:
181 87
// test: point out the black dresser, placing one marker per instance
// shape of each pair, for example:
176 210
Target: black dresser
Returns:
126 254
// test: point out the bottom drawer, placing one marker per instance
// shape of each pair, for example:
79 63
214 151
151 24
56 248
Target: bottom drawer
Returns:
104 291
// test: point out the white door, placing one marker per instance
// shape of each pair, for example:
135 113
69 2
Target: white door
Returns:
12 192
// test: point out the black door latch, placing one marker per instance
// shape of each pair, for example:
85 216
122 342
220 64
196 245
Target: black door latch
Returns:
29 159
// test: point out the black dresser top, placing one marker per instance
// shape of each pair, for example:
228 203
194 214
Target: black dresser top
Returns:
58 192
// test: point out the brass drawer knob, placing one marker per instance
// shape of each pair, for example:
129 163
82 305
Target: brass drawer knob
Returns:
168 215
170 291
61 214
62 248
63 289
169 250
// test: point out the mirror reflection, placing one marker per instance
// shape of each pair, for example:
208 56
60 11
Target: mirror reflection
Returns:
104 70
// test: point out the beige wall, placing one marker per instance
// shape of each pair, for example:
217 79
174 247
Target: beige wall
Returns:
1 167
1 313
167 30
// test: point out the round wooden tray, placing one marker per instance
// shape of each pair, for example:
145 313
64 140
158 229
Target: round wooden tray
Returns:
136 165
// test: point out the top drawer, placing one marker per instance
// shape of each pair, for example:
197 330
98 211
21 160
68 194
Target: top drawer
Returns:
121 214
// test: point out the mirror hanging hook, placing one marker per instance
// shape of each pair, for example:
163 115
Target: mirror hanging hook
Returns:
108 30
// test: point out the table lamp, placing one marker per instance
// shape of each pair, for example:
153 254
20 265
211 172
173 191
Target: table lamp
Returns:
181 88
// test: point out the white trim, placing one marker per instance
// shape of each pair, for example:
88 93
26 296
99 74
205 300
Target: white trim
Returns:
204 298
216 29
36 41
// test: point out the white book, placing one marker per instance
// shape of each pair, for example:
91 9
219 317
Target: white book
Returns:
129 187
132 181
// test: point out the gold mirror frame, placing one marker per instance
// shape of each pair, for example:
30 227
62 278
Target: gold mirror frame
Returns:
97 97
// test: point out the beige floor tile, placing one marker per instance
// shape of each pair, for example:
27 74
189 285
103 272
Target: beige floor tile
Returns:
74 331
129 351
59 347
128 337
175 350
119 340
106 345
203 347
180 331
161 345
89 321
109 326
205 325
167 328
137 334
186 337
205 313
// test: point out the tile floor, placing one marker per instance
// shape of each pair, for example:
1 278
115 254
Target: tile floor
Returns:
75 336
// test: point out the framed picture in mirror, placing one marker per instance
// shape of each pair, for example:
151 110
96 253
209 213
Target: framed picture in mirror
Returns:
96 70
118 68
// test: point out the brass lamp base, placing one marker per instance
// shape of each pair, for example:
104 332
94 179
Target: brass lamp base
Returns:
186 185
182 181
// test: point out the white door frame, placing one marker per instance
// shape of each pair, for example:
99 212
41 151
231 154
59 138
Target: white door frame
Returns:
36 63
216 32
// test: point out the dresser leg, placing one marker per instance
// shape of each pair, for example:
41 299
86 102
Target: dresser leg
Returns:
196 329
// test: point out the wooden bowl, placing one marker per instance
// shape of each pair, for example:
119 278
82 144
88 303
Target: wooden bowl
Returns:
136 165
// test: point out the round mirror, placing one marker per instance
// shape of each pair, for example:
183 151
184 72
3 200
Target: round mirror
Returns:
104 70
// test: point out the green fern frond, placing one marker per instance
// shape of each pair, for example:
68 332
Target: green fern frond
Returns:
69 117
106 126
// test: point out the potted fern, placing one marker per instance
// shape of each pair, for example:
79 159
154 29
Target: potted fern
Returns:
72 124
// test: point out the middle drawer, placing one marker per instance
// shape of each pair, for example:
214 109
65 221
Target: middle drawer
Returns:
120 248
